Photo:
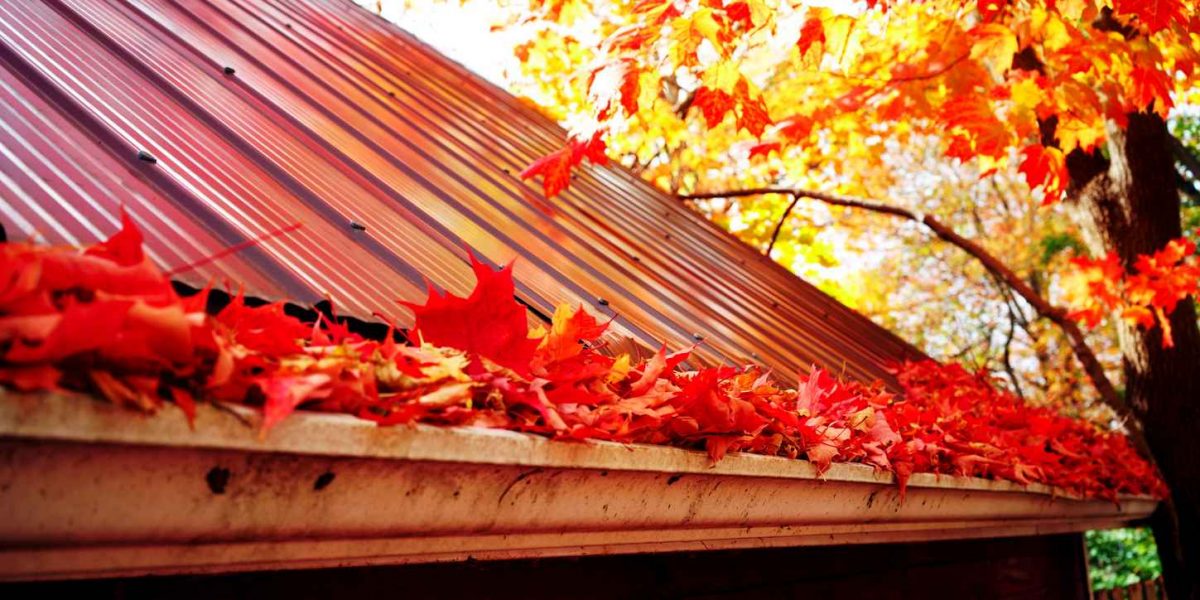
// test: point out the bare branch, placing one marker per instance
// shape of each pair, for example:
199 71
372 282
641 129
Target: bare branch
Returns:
1014 317
779 226
1007 356
1055 314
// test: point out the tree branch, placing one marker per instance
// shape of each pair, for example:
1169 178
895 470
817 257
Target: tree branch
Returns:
779 226
1007 356
1057 315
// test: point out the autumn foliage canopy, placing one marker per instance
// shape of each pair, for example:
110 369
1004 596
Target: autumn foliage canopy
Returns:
718 95
105 320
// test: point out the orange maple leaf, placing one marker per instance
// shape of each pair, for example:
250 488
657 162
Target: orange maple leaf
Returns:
974 129
569 327
1045 168
1092 289
630 87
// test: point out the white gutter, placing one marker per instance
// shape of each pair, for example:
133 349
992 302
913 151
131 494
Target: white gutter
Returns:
90 490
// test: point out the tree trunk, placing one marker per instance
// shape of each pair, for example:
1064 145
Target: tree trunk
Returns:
1128 203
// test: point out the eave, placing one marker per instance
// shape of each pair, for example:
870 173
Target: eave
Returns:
90 490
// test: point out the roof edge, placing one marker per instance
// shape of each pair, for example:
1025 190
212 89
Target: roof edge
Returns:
324 490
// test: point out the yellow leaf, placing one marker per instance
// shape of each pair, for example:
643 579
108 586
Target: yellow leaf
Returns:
620 369
722 76
706 25
840 41
1026 94
994 44
1055 36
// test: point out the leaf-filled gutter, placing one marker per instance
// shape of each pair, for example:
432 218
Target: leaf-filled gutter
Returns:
105 320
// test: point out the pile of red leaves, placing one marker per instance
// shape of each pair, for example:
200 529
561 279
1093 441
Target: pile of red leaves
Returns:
106 321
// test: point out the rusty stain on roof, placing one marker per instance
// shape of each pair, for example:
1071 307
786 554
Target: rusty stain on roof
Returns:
219 122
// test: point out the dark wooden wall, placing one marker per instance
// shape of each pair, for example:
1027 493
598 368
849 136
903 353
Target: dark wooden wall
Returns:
1049 567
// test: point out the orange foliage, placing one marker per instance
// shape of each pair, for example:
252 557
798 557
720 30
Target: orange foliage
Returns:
995 84
1144 296
988 72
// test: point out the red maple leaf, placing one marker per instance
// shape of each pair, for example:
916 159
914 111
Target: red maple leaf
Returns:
630 87
1155 15
713 104
739 12
124 248
990 9
752 109
285 393
715 411
116 266
1044 167
488 323
265 328
30 378
796 128
80 327
555 168
1151 87
811 33
764 149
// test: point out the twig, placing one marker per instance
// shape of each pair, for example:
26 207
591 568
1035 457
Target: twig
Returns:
779 226
238 247
1007 357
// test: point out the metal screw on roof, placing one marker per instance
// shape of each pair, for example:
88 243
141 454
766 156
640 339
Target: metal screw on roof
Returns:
146 157
602 301
229 70
774 304
358 226
667 235
699 337
636 259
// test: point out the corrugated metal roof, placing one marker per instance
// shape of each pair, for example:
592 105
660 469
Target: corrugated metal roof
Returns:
265 113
